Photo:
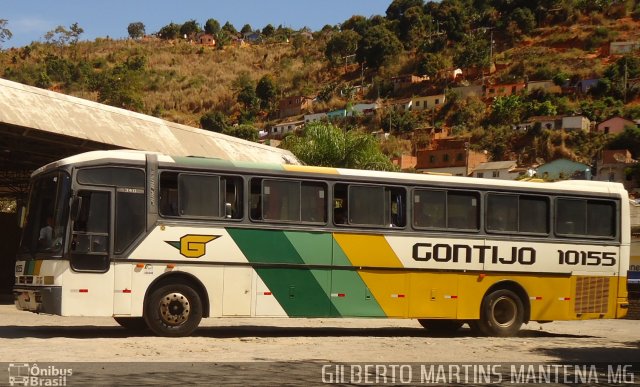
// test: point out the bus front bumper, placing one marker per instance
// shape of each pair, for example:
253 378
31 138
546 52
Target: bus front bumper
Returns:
45 299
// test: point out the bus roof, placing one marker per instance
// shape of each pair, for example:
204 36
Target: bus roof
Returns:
136 157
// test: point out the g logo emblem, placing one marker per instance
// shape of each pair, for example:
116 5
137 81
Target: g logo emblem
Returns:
193 246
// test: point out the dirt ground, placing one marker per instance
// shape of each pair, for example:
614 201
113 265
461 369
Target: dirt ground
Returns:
41 338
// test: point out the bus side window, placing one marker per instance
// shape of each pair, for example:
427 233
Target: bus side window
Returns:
169 194
340 209
255 200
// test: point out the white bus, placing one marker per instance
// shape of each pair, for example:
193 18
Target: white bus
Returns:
159 242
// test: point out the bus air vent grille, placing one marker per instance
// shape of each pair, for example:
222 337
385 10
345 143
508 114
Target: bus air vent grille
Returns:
592 295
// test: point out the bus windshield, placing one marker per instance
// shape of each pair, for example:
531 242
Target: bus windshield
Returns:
47 214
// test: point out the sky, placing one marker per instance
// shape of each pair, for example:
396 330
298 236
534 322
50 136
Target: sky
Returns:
30 20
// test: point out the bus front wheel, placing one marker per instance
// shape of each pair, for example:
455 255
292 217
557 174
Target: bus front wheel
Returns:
173 310
501 314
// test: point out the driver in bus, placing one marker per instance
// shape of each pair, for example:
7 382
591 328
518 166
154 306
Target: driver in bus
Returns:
46 233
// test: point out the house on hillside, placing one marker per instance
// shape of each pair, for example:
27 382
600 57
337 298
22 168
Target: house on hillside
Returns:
545 122
503 90
314 117
401 105
503 170
363 109
205 39
405 162
252 37
293 106
404 81
449 156
615 125
279 130
337 114
621 48
546 86
563 169
611 166
576 123
428 102
469 91
583 86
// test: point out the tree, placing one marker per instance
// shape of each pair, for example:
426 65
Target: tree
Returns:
324 144
340 45
356 23
214 121
212 26
397 8
229 28
506 110
246 29
268 30
5 33
190 28
473 52
136 30
62 37
122 85
378 46
246 132
267 91
170 31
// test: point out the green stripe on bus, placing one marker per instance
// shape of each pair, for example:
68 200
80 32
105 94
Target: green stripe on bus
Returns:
301 292
31 265
350 294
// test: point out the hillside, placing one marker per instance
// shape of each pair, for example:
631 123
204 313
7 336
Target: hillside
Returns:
181 80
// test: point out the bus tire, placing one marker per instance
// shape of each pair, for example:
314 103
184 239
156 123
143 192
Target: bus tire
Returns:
441 326
173 310
132 323
501 314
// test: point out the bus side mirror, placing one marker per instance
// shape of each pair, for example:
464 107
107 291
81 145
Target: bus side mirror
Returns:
22 214
76 205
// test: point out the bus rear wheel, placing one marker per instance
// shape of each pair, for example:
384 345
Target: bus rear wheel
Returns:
132 323
440 326
501 314
173 310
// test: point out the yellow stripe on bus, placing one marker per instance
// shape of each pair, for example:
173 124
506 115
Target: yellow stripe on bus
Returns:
389 289
36 270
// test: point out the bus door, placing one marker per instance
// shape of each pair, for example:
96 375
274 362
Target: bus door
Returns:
88 286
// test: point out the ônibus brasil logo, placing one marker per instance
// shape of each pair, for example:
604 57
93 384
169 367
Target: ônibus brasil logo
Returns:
193 246
25 374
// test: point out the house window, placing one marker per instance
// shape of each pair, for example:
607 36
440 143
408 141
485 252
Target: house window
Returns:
432 159
480 174
612 176
496 173
445 157
437 101
417 103
460 157
606 130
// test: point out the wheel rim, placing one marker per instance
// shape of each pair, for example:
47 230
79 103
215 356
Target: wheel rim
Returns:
174 309
504 311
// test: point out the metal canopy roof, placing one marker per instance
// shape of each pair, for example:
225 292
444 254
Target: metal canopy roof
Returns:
39 126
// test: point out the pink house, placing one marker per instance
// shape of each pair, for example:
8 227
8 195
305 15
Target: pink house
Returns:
614 125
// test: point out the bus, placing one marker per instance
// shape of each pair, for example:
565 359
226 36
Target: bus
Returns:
159 242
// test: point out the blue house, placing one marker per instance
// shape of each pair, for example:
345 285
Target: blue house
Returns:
563 169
